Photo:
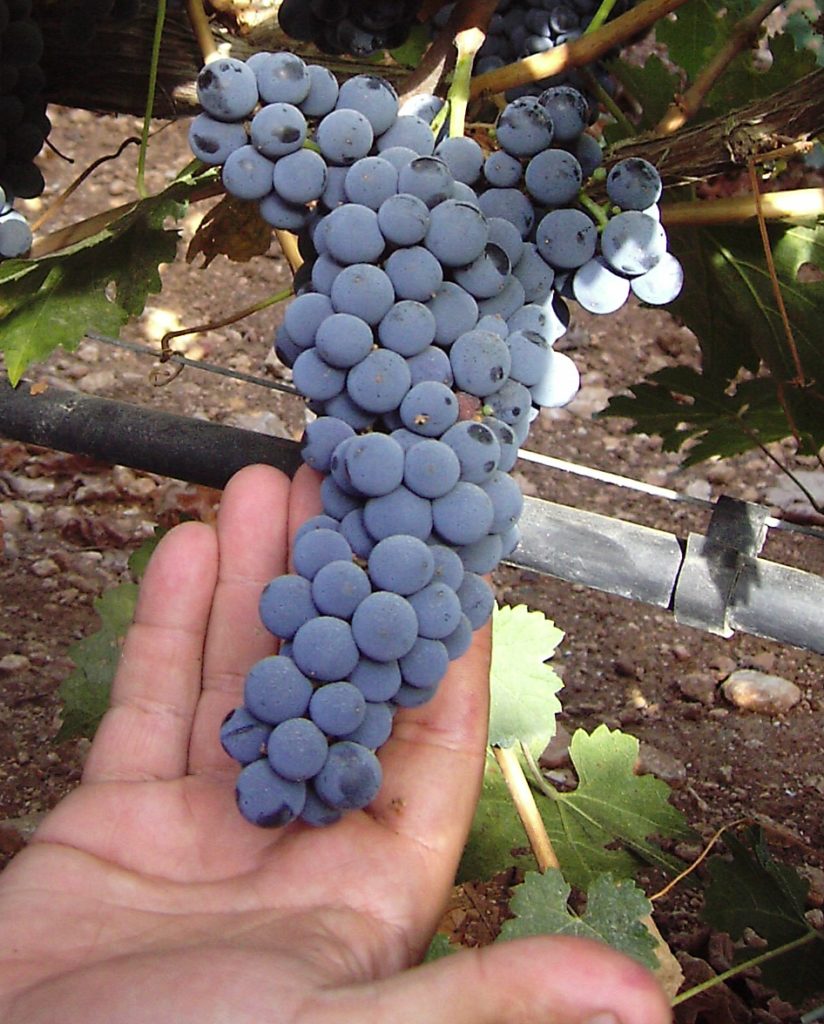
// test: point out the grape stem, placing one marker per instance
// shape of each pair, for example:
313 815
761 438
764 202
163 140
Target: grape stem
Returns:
744 35
467 43
166 353
600 16
799 204
588 48
202 32
524 800
771 954
289 247
466 14
598 213
160 20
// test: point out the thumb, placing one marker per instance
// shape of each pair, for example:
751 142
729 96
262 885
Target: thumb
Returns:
545 980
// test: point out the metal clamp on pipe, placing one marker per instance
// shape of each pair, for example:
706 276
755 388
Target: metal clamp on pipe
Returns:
713 565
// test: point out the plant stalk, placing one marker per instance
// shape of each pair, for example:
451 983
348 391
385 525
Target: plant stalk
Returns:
686 106
719 979
160 20
800 204
526 807
467 43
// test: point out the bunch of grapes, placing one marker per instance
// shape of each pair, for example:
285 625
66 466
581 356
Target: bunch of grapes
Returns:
356 27
421 335
23 121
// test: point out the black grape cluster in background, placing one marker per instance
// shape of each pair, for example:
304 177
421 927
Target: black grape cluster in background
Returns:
522 28
24 125
356 27
434 286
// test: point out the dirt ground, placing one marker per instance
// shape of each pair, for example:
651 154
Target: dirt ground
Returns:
68 525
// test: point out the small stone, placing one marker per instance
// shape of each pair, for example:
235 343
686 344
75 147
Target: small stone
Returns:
98 380
721 473
723 666
626 668
764 662
14 663
698 686
556 752
764 694
45 567
652 761
681 652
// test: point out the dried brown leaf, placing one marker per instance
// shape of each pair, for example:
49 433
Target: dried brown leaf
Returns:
233 228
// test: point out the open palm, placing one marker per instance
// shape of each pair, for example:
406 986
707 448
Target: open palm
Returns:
144 896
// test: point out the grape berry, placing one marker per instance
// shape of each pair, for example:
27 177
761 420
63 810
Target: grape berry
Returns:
421 336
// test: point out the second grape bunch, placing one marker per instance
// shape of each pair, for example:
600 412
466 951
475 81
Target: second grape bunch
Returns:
434 286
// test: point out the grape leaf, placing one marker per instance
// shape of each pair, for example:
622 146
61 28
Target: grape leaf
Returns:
610 805
614 914
497 839
697 30
96 283
233 228
440 946
728 264
523 687
654 85
744 80
681 405
800 27
85 692
751 890
740 328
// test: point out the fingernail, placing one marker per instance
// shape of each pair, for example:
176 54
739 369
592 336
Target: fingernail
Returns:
604 1017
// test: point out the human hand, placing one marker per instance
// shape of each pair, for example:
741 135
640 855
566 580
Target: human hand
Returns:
145 897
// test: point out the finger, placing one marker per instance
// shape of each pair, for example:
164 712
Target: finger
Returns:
304 499
145 733
547 980
433 768
252 533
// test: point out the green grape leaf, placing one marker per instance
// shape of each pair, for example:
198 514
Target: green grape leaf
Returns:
681 405
85 693
523 687
611 807
615 912
750 889
740 328
744 81
728 264
804 35
440 946
697 30
654 85
497 839
94 284
139 558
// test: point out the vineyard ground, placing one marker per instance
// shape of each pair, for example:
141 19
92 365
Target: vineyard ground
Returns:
68 525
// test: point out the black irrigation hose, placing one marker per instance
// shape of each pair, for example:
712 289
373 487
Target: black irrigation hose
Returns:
130 435
714 583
